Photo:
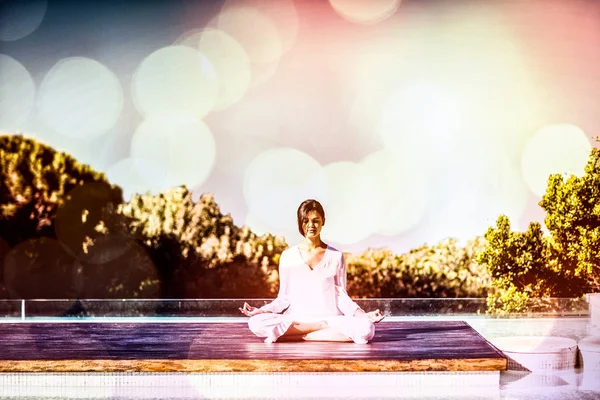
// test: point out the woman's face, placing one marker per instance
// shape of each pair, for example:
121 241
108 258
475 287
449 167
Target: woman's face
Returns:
312 224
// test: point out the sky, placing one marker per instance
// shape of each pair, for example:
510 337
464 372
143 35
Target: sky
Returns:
411 121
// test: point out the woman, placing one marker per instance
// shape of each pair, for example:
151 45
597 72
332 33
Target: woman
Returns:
312 291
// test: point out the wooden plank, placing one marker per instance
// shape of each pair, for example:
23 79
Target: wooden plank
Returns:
236 365
218 347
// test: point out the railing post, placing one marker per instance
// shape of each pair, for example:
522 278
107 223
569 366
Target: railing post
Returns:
22 310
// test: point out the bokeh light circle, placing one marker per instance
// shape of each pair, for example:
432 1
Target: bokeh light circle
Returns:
554 149
20 18
282 13
180 144
17 94
125 174
476 183
399 191
277 181
229 60
80 98
254 31
350 217
175 79
365 11
418 113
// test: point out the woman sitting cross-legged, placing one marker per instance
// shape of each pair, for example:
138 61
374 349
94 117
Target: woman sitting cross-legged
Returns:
312 291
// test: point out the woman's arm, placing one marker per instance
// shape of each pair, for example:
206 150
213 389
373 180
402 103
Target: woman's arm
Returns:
346 305
282 301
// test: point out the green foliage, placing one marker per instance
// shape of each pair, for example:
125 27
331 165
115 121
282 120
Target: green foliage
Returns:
35 181
443 270
65 232
50 208
527 269
573 218
198 251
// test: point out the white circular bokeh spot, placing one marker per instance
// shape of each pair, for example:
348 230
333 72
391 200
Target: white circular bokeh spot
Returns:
477 184
282 13
254 31
277 181
229 60
20 18
17 94
349 216
418 113
177 149
80 98
126 173
365 11
554 149
399 191
175 79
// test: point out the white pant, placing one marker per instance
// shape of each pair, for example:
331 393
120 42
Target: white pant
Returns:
272 326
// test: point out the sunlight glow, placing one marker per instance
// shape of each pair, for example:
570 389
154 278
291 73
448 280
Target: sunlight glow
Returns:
555 149
80 98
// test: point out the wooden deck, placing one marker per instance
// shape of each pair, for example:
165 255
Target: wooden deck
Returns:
230 347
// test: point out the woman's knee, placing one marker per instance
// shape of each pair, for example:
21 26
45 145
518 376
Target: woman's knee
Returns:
365 329
256 325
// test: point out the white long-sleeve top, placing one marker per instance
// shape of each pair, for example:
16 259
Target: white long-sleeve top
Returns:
317 292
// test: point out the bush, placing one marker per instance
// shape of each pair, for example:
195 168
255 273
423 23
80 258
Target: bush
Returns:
443 270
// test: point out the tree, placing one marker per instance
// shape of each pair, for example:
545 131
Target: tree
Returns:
198 251
35 181
50 208
573 219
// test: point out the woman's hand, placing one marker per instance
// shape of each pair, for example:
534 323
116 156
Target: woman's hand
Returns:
250 311
374 316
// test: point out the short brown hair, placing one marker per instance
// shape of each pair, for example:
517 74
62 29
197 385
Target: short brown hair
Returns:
306 207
